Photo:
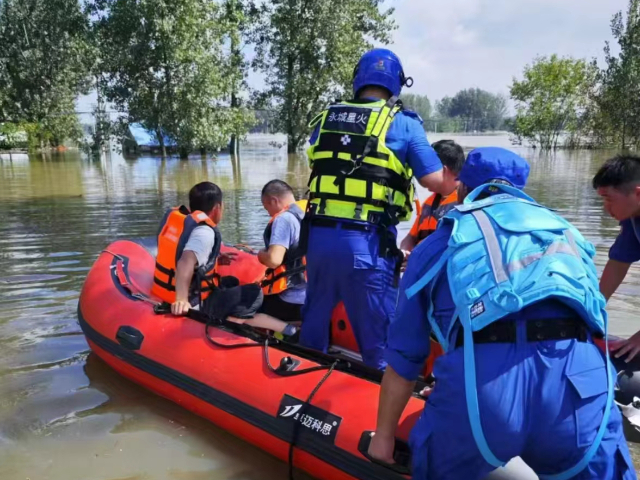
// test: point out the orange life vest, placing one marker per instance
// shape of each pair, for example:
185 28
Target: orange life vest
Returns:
175 229
433 209
293 270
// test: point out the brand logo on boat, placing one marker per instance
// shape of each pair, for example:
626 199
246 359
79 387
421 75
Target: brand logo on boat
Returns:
312 420
291 410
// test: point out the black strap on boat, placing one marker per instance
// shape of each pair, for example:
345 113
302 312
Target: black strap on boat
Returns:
303 410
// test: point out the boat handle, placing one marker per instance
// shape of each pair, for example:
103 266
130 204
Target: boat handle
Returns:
401 454
129 337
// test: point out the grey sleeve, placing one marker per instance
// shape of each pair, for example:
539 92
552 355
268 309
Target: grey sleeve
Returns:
201 242
285 231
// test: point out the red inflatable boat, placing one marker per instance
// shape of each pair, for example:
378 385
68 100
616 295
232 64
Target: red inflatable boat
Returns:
244 381
314 410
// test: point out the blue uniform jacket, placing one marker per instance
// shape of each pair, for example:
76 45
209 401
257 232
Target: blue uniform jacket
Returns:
409 331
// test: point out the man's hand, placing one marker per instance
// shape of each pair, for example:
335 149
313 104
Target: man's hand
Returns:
227 258
381 448
405 254
629 347
180 307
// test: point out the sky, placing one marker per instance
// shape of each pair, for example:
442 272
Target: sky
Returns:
449 45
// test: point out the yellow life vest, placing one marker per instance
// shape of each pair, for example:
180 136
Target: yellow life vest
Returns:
354 174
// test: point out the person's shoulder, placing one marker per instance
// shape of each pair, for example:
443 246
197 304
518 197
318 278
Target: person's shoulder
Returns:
202 232
628 223
285 221
409 118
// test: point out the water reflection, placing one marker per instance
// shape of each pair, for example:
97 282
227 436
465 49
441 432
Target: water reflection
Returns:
65 415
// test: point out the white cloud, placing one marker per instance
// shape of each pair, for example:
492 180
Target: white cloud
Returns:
448 45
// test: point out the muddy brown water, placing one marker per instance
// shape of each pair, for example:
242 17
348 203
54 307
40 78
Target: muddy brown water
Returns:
64 415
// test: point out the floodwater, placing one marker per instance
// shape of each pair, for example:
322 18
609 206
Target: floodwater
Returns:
64 415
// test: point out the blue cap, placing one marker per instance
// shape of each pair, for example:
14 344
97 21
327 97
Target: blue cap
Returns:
494 163
379 67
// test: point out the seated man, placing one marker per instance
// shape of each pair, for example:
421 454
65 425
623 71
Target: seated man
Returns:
285 285
436 206
189 250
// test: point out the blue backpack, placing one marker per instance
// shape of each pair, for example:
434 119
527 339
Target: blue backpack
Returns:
507 252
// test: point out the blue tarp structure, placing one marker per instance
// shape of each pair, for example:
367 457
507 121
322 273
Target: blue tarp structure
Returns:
147 138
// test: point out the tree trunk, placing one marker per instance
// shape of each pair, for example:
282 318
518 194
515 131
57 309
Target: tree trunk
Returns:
163 148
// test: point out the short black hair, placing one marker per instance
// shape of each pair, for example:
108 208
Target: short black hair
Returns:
204 197
619 172
451 154
277 188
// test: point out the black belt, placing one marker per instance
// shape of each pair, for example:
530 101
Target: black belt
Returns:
345 225
537 331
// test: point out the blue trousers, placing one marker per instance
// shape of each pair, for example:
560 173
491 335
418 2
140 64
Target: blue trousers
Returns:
345 265
542 401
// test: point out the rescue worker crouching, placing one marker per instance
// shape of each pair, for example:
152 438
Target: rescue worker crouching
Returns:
618 183
188 251
511 291
363 154
285 284
437 205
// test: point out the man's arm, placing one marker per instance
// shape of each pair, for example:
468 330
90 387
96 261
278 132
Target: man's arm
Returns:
432 181
424 161
184 274
283 235
273 257
612 276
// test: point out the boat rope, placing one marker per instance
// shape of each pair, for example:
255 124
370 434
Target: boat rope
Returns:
114 254
305 405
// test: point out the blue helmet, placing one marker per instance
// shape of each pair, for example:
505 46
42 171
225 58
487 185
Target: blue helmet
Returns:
380 67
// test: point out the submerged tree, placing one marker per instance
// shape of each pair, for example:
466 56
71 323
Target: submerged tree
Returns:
615 116
551 99
476 109
308 51
167 65
45 64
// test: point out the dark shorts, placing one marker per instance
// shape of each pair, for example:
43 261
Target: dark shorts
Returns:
276 307
242 301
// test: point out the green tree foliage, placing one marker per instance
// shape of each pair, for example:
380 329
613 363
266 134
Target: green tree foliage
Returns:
44 64
615 116
418 103
551 99
167 64
307 50
477 109
471 110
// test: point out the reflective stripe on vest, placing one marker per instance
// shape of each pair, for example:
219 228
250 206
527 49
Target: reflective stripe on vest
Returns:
433 209
293 270
380 184
507 252
176 227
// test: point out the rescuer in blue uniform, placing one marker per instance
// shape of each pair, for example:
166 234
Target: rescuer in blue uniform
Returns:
363 156
515 283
